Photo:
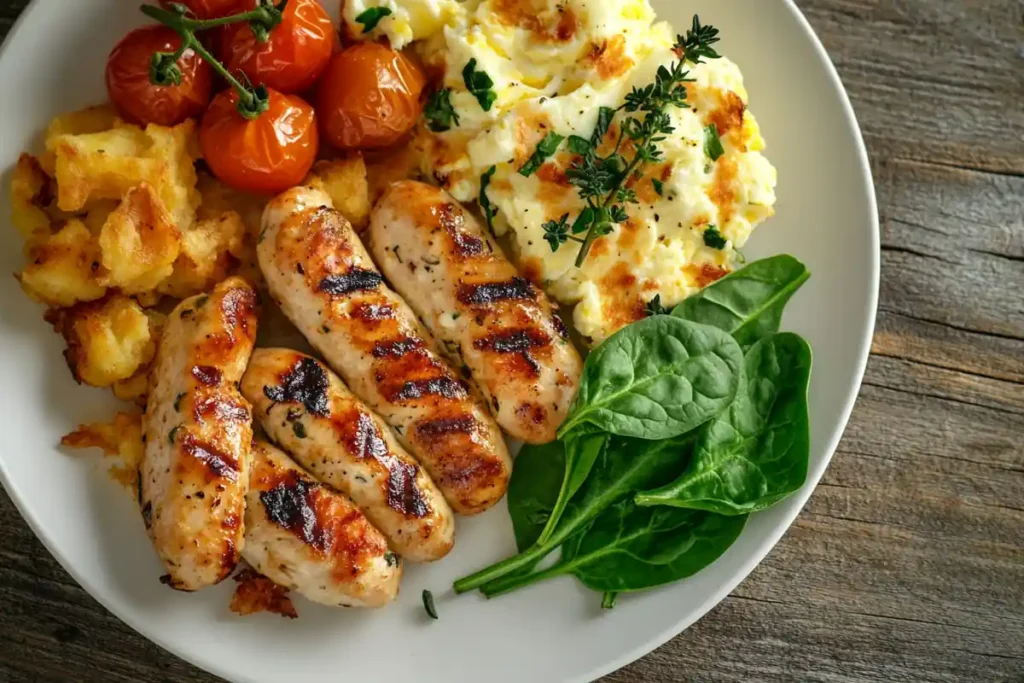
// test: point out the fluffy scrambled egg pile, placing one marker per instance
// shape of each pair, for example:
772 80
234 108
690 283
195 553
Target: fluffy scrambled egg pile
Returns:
554 63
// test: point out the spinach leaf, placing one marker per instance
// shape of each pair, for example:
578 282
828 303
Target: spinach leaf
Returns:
630 548
581 451
756 453
533 490
656 379
748 303
622 468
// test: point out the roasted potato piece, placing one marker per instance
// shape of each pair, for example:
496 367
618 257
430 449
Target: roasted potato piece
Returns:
107 164
208 255
344 181
135 389
390 166
107 341
83 122
99 211
62 268
32 191
120 439
218 198
138 243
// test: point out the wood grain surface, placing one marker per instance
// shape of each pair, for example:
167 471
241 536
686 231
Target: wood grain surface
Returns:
908 562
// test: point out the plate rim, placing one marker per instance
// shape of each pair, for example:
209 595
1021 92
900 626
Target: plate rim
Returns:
765 543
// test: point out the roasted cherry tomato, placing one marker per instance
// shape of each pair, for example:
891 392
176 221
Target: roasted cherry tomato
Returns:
267 154
140 101
212 9
369 97
298 51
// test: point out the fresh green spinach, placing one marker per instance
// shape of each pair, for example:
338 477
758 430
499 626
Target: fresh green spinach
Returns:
621 468
656 379
629 548
756 453
748 303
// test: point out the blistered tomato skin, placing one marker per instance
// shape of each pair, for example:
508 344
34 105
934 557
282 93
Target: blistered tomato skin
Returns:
369 97
265 155
291 61
212 9
140 101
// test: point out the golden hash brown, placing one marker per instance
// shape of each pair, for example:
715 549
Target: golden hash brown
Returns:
209 254
138 243
344 181
32 191
256 593
107 164
107 341
121 439
62 268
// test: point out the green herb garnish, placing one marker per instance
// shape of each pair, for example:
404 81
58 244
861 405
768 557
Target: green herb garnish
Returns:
479 85
177 402
654 307
299 429
713 238
371 17
712 143
173 433
428 604
440 113
485 202
697 42
545 150
659 187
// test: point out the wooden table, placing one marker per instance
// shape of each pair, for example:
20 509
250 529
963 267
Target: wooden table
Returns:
908 562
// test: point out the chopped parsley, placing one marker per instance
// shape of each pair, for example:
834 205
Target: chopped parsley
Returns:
479 85
299 429
440 113
485 203
712 143
545 150
177 402
659 187
371 17
713 238
173 433
654 307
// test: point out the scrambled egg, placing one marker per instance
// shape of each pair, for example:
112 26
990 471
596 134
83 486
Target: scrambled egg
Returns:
554 63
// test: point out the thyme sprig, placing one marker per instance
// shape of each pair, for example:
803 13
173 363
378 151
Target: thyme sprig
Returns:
604 180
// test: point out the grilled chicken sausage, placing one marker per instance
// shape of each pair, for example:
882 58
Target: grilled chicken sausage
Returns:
306 537
198 429
306 409
324 280
472 299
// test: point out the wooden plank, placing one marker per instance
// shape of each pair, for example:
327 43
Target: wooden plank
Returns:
932 80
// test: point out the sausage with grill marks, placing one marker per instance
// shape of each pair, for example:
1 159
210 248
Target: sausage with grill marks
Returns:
326 283
198 428
443 262
302 535
306 408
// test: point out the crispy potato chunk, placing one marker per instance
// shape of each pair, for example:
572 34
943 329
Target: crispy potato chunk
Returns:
208 255
256 593
99 211
138 243
120 439
105 165
135 389
32 191
344 181
82 122
107 341
218 198
62 267
390 166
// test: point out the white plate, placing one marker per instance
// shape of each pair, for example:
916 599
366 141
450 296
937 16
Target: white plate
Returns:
53 62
